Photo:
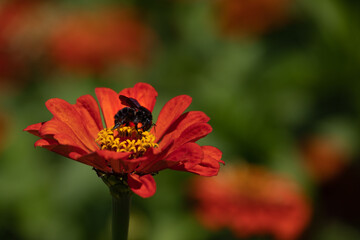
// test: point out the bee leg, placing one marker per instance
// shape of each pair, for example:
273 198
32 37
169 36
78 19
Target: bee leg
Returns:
118 124
136 123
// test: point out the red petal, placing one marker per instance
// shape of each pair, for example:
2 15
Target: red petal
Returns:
213 152
183 122
64 150
96 161
209 166
119 161
186 157
89 109
152 160
45 142
170 113
62 133
194 133
144 186
188 119
110 104
67 113
34 128
144 93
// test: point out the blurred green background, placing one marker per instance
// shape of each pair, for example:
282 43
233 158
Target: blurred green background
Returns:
272 76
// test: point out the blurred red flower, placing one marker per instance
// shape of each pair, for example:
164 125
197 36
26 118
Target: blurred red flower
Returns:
77 132
251 201
91 41
324 157
251 17
22 34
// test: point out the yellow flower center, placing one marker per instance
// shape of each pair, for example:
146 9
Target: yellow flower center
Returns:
126 139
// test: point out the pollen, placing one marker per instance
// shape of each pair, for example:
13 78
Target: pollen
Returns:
126 139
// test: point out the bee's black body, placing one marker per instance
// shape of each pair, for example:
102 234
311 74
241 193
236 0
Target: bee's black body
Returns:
134 113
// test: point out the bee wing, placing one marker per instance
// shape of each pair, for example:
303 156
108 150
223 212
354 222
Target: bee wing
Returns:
131 102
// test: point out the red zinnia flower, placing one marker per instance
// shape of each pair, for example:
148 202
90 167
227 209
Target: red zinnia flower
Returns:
93 41
251 201
251 17
23 29
132 156
324 157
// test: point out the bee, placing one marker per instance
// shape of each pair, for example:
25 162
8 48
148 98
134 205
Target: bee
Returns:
134 113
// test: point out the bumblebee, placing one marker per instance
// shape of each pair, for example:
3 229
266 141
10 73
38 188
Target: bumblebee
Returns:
133 113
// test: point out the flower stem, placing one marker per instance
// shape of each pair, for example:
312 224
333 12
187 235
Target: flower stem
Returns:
121 199
121 215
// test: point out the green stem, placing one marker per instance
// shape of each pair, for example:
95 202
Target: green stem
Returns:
121 199
121 214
